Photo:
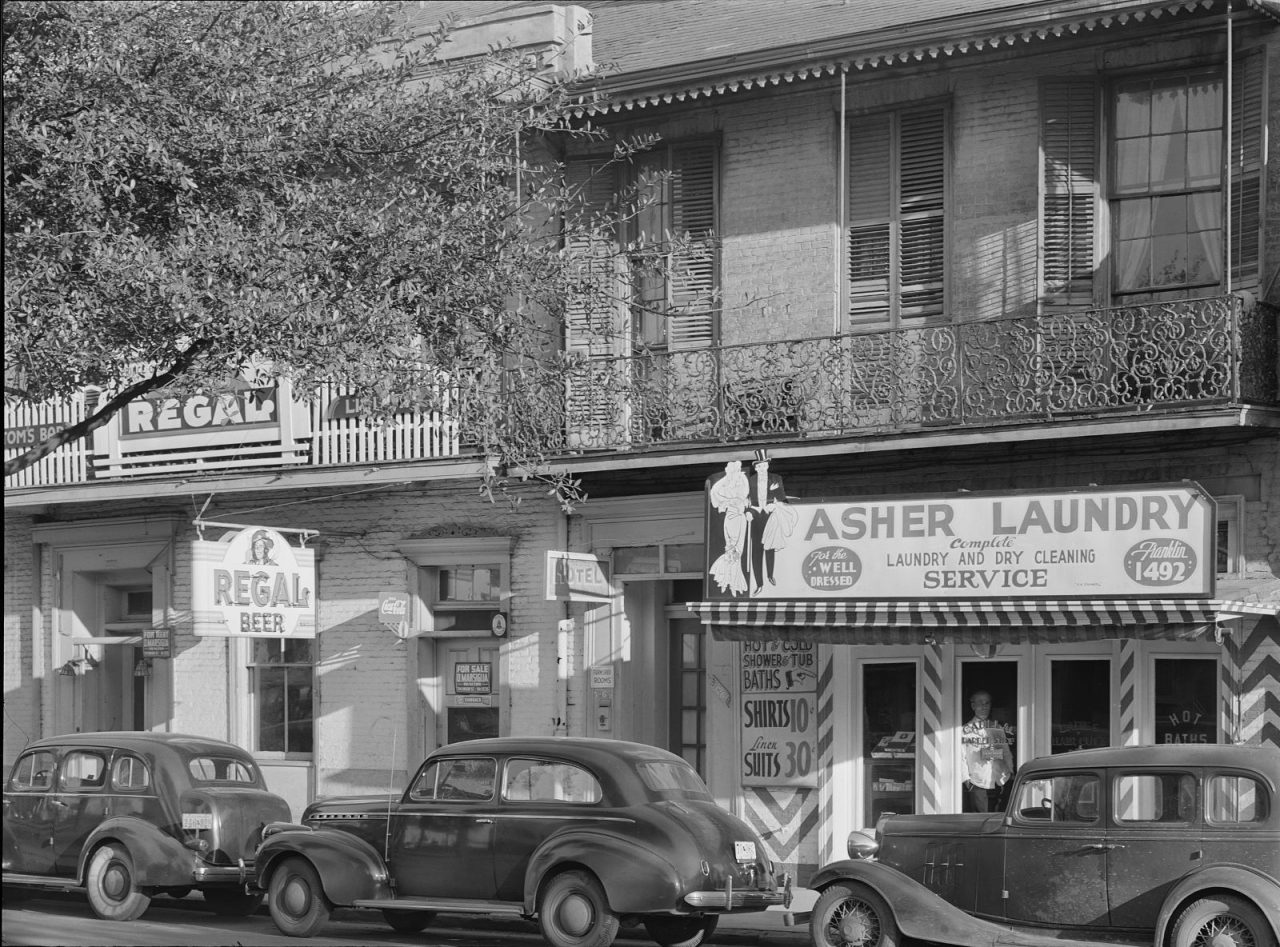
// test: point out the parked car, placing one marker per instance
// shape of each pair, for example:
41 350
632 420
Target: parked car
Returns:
129 815
1175 845
582 834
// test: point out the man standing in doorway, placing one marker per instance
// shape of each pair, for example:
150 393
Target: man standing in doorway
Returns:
988 762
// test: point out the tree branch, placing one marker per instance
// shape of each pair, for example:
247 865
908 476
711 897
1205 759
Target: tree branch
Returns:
100 417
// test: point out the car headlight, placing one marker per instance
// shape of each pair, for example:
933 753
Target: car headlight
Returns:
862 845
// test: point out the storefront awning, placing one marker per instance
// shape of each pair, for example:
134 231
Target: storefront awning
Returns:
974 622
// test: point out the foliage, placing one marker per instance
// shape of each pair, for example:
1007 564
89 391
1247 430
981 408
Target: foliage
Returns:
196 191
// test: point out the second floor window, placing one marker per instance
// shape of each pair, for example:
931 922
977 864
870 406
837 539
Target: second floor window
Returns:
896 216
1166 185
652 281
1179 173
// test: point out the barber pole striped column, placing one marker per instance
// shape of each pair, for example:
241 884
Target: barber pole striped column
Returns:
1257 686
931 730
826 758
1129 735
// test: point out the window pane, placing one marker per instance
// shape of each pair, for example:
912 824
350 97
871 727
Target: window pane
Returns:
1156 797
686 557
1169 214
466 779
83 771
1168 162
1169 110
1169 260
271 708
1185 700
635 559
1072 799
130 773
299 710
1204 159
889 738
1236 799
1133 165
266 651
1081 712
297 650
34 772
1133 112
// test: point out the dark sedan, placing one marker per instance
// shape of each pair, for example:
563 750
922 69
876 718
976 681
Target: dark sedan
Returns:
582 834
1177 846
129 815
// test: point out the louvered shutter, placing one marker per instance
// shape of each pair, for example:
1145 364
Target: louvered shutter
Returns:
870 188
1069 149
922 209
1245 167
593 329
694 279
593 300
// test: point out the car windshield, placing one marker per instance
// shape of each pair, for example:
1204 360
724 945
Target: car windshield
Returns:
673 779
222 769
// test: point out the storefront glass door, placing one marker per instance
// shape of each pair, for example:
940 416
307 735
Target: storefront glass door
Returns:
1185 701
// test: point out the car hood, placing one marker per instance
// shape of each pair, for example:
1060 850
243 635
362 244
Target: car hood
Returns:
946 826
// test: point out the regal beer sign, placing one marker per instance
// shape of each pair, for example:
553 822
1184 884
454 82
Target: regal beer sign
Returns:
253 584
1148 541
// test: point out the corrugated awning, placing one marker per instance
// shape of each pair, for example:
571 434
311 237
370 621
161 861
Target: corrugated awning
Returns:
976 622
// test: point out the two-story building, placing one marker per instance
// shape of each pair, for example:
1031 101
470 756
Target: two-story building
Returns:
991 286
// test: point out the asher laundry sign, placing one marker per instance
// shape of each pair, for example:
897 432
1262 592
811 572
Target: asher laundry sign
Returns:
1150 540
253 584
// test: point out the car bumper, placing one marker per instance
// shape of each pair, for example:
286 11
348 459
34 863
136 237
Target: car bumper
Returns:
730 898
222 874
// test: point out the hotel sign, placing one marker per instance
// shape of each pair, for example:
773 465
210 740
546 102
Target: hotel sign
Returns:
1143 541
253 584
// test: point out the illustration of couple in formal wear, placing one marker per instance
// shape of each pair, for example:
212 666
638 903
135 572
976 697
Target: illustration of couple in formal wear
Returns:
757 523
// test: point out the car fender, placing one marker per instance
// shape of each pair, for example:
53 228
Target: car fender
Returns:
350 868
636 880
923 915
1260 888
159 859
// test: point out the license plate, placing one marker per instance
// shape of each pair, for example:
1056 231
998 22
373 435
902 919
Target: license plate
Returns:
744 851
197 820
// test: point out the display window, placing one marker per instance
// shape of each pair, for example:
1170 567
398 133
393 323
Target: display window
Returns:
889 729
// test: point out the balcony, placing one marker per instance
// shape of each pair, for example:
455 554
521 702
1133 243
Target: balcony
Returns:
1047 369
1140 361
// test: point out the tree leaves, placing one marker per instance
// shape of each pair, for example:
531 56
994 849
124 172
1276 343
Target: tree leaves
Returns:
205 187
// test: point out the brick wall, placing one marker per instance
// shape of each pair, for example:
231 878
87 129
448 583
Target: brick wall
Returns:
22 712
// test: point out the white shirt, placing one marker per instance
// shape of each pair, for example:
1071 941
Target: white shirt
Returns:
990 769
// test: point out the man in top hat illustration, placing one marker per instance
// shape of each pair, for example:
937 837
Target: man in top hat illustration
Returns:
771 519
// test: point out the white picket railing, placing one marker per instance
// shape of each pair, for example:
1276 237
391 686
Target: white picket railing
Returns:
27 424
326 441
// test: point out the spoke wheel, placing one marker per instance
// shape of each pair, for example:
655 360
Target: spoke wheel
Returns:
296 898
1222 921
113 891
852 915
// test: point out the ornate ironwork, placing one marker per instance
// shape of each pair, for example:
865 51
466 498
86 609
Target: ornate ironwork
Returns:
1064 365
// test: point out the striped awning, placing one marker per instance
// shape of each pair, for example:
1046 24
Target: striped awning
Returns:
976 622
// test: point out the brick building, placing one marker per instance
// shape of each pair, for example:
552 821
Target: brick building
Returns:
946 256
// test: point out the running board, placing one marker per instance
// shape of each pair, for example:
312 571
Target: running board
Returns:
445 905
41 881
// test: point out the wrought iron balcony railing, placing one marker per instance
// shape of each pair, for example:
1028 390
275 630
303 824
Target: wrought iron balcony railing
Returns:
1046 368
1149 359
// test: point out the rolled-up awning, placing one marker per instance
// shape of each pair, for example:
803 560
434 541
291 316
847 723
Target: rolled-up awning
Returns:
976 622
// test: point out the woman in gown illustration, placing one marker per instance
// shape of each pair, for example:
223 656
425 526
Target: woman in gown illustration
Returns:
729 496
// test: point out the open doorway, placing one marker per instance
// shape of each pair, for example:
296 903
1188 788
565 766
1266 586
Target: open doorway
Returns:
998 681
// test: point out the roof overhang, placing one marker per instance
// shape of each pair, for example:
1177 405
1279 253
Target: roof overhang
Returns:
989 621
947 38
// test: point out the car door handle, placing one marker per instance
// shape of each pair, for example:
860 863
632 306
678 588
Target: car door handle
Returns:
59 803
1103 846
485 821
